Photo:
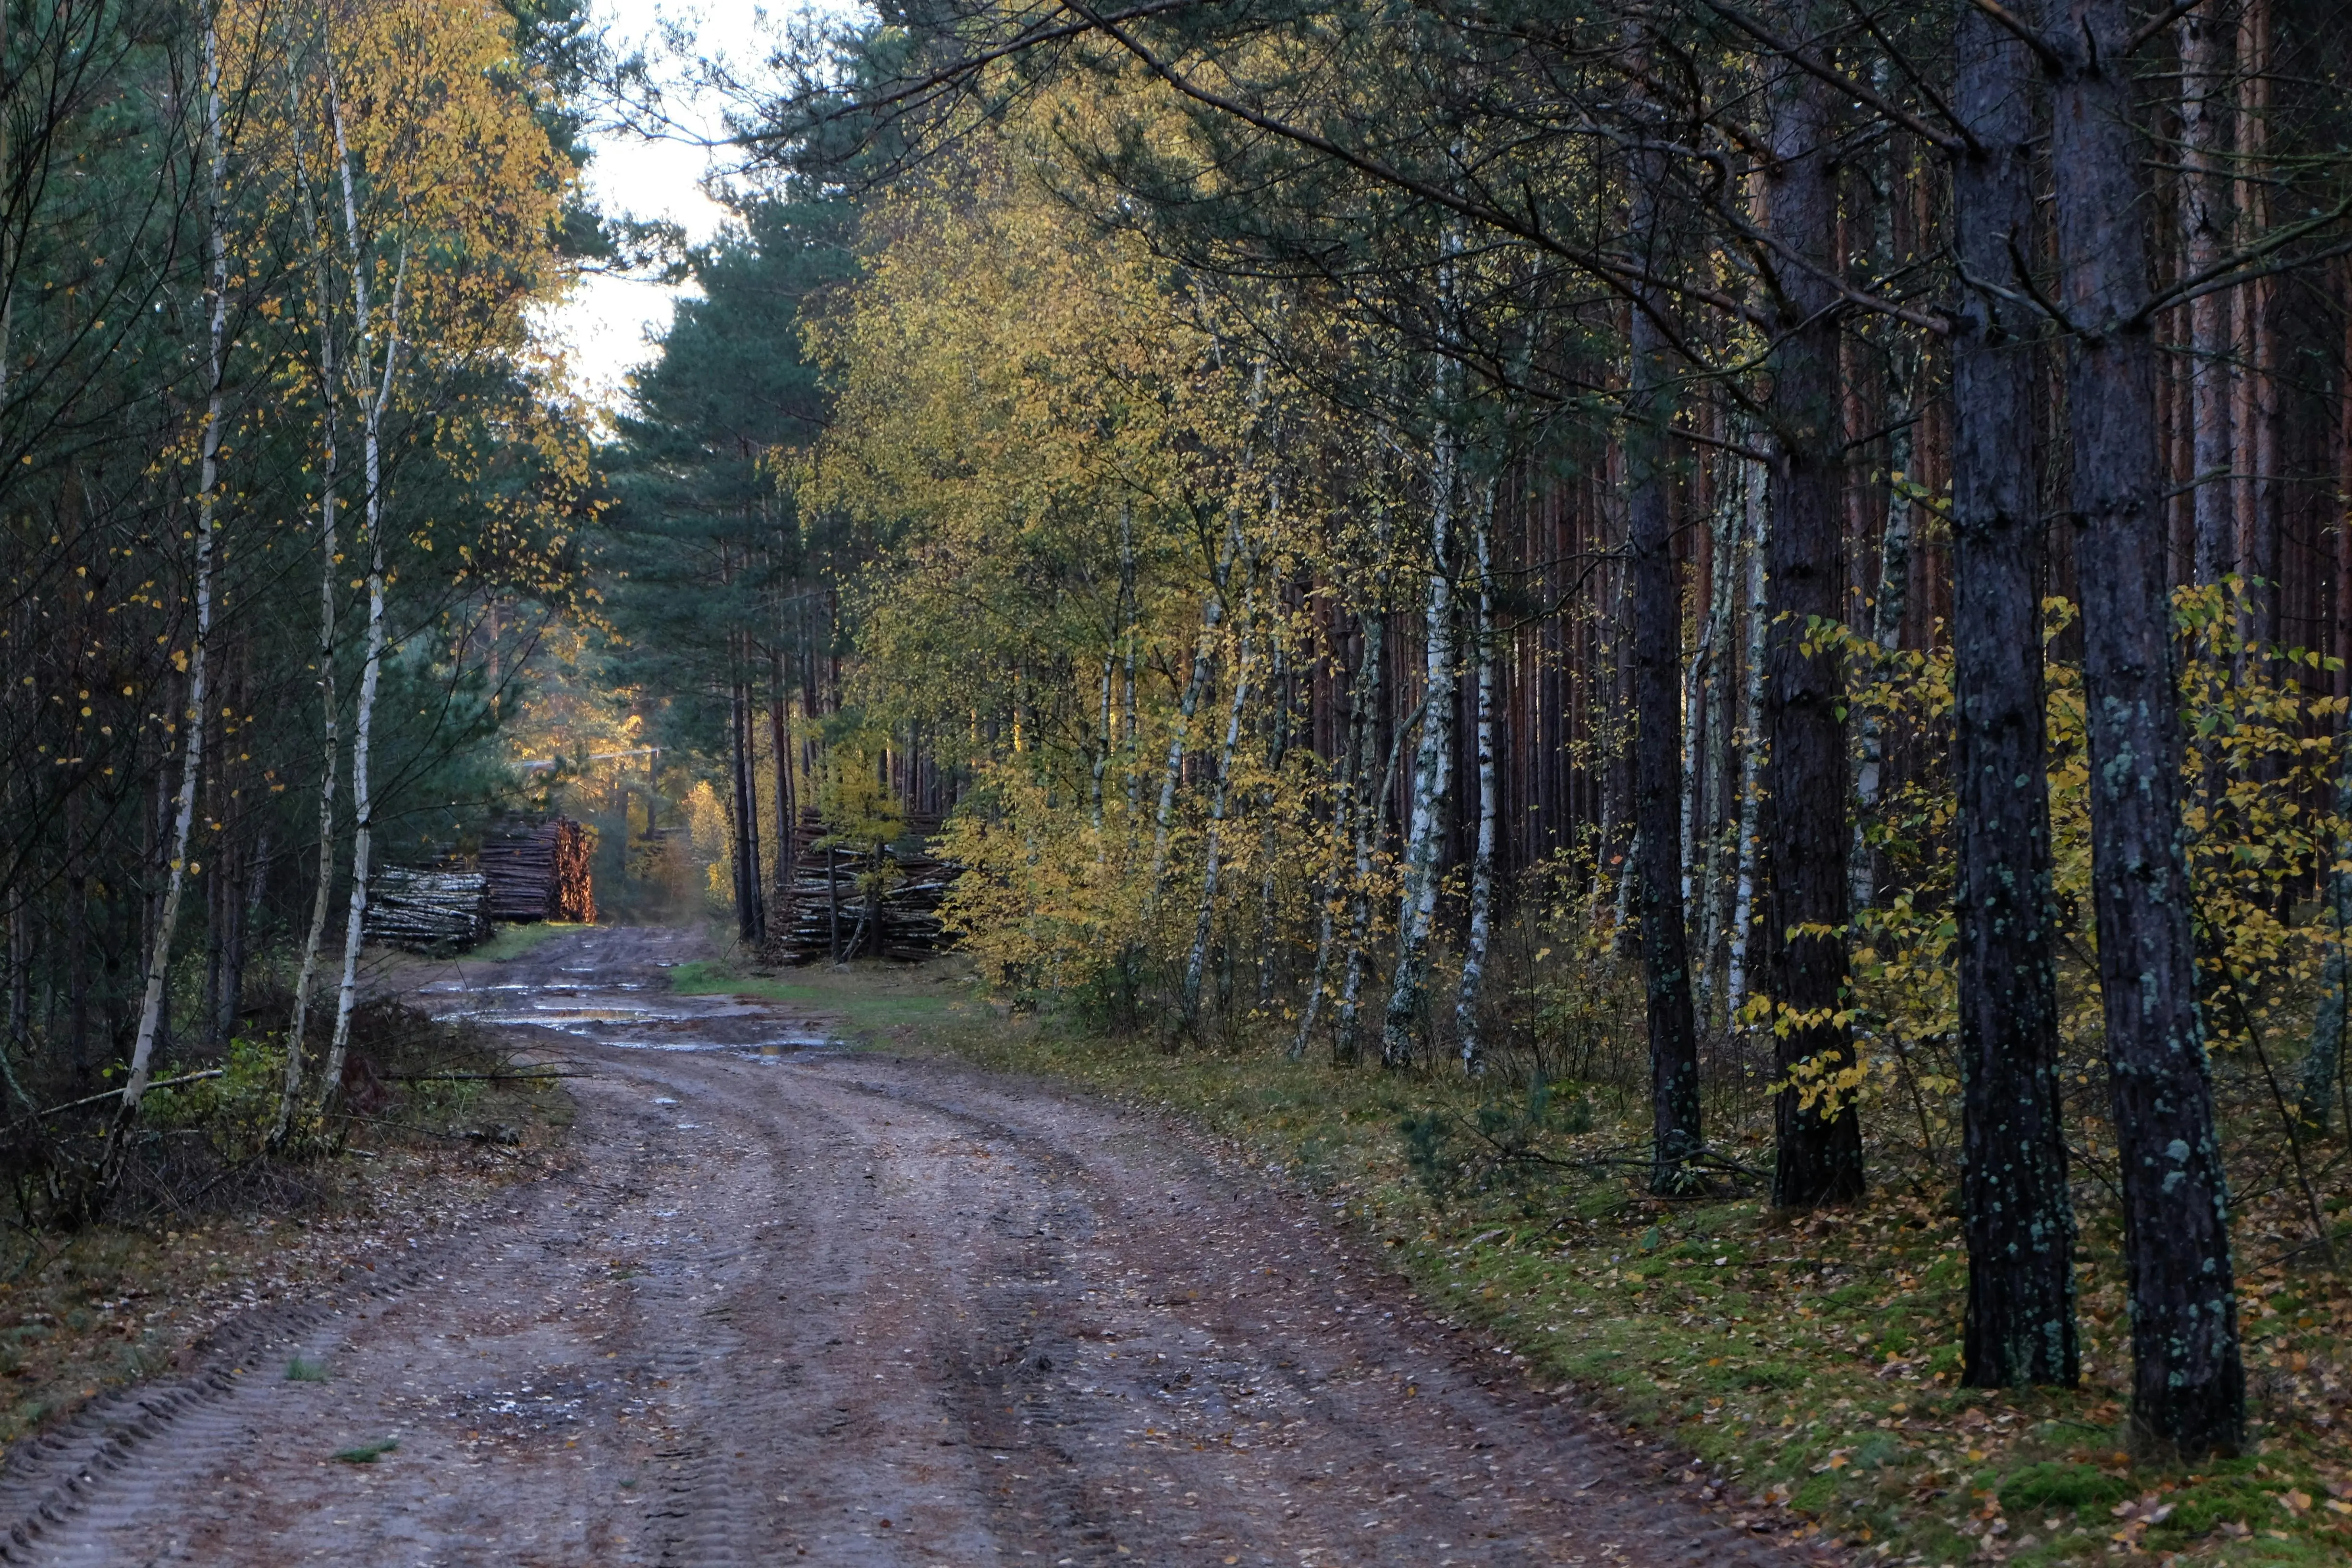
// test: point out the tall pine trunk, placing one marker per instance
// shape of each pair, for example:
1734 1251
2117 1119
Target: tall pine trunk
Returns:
2015 1211
2323 1064
1818 1130
2188 1383
1657 636
780 736
2204 223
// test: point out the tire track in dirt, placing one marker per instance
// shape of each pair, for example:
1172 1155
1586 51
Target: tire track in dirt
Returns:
845 1308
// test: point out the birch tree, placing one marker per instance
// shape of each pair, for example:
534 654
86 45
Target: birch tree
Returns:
196 709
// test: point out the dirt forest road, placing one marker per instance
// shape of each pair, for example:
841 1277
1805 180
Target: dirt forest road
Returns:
787 1304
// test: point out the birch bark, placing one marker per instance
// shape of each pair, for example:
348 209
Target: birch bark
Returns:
1753 745
1482 864
191 747
372 406
1432 769
1205 920
331 737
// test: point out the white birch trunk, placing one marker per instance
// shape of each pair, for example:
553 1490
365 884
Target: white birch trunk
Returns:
1346 802
192 750
1481 866
1196 963
1433 768
1212 616
1751 746
1270 845
372 665
1108 739
1706 826
1886 632
331 745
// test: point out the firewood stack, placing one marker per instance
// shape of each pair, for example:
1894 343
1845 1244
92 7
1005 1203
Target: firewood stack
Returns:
540 871
909 923
426 911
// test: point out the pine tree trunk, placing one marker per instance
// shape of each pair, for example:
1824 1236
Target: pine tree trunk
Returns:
1657 634
2204 223
751 911
1108 741
1818 1130
2189 1383
1278 749
2323 1064
2253 416
780 736
2015 1211
1371 833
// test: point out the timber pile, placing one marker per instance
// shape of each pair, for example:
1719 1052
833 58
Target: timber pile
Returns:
540 871
426 911
909 928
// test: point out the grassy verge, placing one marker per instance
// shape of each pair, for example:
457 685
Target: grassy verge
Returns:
873 1000
1814 1358
513 941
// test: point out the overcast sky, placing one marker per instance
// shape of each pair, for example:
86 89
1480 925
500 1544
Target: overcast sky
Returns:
602 327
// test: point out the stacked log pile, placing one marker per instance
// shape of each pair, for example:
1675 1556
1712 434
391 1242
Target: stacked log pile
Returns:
427 911
540 871
830 912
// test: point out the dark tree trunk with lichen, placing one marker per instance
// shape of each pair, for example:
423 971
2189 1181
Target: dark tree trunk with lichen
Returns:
1819 1137
1658 715
2018 1222
2187 1382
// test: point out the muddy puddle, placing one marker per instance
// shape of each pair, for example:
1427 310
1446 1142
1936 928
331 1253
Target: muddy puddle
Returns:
573 1002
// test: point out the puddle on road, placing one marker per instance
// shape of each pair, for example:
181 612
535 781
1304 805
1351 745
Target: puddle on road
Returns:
621 1013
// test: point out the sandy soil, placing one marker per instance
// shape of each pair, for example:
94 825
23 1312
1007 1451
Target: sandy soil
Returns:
788 1303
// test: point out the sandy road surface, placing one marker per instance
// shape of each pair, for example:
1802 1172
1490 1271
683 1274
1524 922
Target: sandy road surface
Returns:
810 1305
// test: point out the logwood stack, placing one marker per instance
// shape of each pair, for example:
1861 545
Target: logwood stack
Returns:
426 911
822 894
538 872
